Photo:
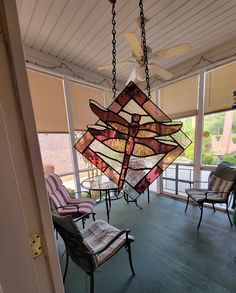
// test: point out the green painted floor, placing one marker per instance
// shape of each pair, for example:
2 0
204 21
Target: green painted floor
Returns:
169 254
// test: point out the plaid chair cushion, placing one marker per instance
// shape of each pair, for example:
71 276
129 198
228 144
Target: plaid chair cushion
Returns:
97 235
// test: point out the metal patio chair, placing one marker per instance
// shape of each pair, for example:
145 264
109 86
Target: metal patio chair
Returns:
221 184
90 247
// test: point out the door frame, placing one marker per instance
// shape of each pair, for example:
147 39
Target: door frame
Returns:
24 173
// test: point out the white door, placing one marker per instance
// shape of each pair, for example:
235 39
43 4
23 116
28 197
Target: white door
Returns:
24 208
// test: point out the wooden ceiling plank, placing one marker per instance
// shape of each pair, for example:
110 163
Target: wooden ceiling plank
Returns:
200 37
177 32
164 12
65 19
103 39
184 67
123 50
26 14
171 9
189 8
50 22
210 36
103 57
198 52
79 31
39 15
84 29
187 29
214 41
100 30
73 26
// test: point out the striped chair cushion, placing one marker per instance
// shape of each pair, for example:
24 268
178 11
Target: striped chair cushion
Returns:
220 185
91 238
53 182
59 196
82 201
57 199
199 195
97 235
85 206
61 205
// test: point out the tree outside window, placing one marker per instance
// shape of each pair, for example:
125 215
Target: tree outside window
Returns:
189 129
219 138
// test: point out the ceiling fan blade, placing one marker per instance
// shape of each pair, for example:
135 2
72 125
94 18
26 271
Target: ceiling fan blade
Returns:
177 50
132 76
162 72
134 43
118 64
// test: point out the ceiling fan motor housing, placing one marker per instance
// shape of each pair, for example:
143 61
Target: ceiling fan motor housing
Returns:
140 72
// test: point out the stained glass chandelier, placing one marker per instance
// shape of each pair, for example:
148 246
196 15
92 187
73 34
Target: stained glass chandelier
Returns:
133 141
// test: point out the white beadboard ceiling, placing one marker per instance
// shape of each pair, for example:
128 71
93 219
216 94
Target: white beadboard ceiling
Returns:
78 32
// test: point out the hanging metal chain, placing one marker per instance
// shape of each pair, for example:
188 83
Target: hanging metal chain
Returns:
145 56
114 50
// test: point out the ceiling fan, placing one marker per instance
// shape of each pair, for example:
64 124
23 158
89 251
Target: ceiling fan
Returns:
137 53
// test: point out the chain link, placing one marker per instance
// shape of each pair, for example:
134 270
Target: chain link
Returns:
145 56
114 51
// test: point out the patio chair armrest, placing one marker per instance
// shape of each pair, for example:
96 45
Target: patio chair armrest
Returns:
84 216
211 191
126 231
69 206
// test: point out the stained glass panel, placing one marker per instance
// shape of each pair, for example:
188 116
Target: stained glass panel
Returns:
133 141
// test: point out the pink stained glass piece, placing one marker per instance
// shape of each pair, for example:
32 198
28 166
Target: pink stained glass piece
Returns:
123 98
96 160
136 93
161 128
84 142
148 179
107 116
119 137
155 112
115 107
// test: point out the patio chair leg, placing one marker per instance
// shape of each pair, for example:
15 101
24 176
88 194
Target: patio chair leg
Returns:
128 248
83 222
201 208
91 282
93 217
187 204
56 233
66 268
214 207
227 211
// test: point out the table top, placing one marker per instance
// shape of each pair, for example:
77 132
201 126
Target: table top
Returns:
99 183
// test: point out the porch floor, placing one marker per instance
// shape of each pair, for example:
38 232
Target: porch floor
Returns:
169 254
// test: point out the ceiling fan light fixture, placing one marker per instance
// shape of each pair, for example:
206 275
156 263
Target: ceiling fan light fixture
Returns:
140 73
